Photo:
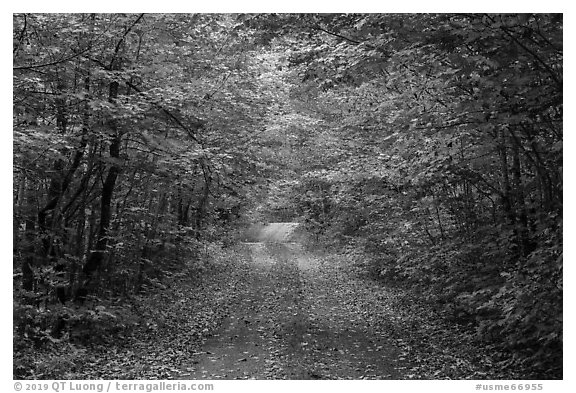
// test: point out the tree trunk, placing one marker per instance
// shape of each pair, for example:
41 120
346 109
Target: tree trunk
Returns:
201 208
519 201
29 237
96 256
506 189
183 211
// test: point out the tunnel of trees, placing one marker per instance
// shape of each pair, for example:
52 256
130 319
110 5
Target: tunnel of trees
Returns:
425 147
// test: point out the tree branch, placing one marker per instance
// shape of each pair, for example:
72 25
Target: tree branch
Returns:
530 51
198 124
367 45
119 43
21 37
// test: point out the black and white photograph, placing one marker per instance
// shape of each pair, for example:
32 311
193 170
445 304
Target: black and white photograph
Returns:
287 196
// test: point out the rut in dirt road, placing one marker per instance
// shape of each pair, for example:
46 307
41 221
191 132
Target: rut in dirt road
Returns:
296 318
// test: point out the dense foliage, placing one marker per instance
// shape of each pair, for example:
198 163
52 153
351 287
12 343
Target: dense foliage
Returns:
427 147
128 156
439 156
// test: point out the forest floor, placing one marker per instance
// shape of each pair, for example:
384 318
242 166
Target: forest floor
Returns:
275 310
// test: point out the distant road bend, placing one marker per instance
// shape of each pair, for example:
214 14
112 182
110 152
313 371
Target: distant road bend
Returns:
276 232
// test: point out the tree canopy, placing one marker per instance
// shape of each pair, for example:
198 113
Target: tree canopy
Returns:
427 146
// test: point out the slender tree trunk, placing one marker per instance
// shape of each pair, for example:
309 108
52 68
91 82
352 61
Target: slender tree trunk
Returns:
96 256
537 162
29 237
183 211
201 207
440 226
519 201
506 189
425 219
18 217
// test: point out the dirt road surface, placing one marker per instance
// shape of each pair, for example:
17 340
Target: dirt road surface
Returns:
297 317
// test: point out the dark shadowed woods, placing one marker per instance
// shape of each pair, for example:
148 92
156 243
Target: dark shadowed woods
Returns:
283 196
